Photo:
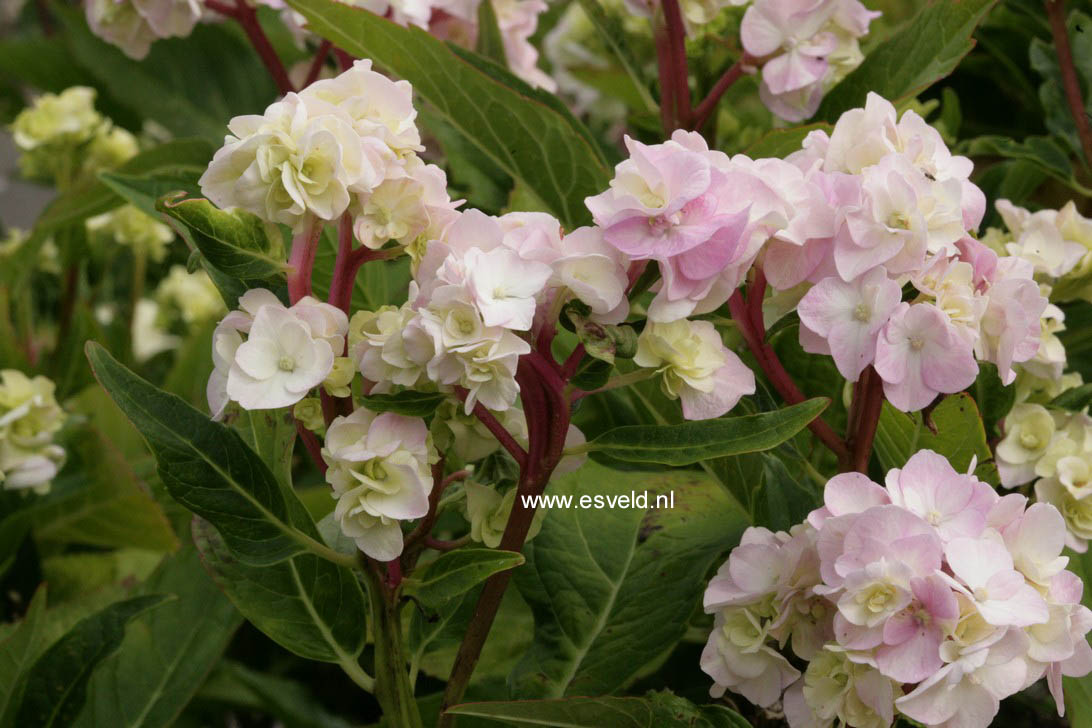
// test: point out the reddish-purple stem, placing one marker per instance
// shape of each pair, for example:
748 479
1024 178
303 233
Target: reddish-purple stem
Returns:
705 109
680 75
755 335
247 17
301 260
314 449
317 63
504 437
1070 81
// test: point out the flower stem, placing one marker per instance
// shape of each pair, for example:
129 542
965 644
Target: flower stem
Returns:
709 104
302 259
1070 81
622 380
754 333
864 418
392 684
547 423
317 63
504 437
311 443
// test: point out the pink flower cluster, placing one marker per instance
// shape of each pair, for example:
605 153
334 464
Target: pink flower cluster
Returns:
804 48
856 215
932 597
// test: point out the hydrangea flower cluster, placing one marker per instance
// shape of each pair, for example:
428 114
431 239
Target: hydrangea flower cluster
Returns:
61 137
133 228
803 49
29 421
902 208
286 352
133 25
343 144
931 597
379 467
1051 448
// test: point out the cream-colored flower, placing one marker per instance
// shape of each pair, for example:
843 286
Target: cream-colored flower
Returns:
1029 429
29 419
696 366
488 511
193 295
130 226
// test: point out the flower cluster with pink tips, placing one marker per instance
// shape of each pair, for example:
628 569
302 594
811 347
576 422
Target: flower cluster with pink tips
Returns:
930 597
874 221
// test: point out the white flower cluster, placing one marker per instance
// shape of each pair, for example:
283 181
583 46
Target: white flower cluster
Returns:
29 419
1053 449
61 137
477 290
379 467
192 295
286 352
344 143
133 25
130 226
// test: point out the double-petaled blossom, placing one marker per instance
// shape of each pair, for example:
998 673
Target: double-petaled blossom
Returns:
379 468
29 421
133 25
804 48
286 351
936 599
696 366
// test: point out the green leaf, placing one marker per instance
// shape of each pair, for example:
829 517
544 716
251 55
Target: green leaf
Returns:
994 399
926 49
144 190
781 143
1045 153
191 86
612 33
1075 399
1044 59
655 710
527 133
114 508
208 468
17 652
457 572
179 158
272 435
236 242
289 701
692 442
56 685
307 605
408 403
166 653
490 43
953 429
783 501
612 588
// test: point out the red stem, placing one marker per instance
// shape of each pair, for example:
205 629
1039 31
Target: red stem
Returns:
344 59
504 437
317 63
310 441
547 423
755 335
1070 81
247 17
864 418
440 545
709 104
302 259
680 76
345 265
668 101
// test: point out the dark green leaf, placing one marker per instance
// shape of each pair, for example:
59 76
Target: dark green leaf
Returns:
208 468
528 133
181 157
408 403
926 49
490 43
655 710
144 190
56 685
237 242
287 700
692 442
783 500
994 398
166 654
1075 399
611 32
309 606
1043 152
457 572
612 588
954 429
18 651
272 435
